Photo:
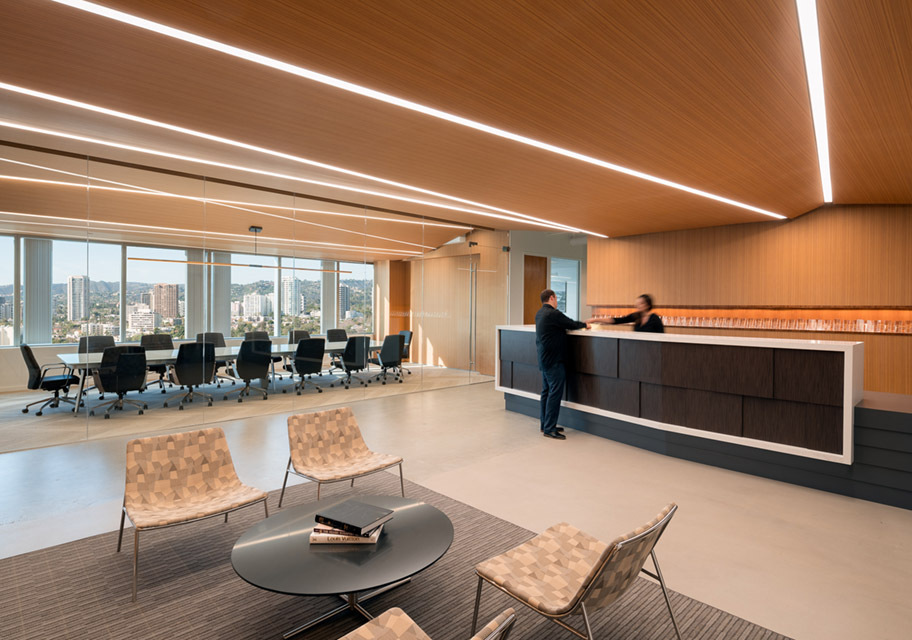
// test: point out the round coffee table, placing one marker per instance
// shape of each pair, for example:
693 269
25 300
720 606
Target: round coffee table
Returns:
275 554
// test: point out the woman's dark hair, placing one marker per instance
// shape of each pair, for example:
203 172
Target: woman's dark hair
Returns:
648 300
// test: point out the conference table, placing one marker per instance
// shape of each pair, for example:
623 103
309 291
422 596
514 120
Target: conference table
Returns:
84 362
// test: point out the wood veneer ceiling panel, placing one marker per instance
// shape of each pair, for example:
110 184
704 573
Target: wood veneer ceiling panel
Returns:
867 64
708 94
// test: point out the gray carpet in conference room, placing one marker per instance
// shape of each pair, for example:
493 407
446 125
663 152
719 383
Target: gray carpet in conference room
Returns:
187 588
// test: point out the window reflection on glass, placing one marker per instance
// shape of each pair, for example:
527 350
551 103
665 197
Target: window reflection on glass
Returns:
565 284
253 294
7 291
156 293
356 297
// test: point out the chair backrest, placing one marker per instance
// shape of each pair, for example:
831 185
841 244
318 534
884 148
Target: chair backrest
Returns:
308 357
122 369
499 628
195 363
296 335
407 342
31 363
324 438
623 559
336 335
156 341
391 351
256 335
216 338
95 344
354 358
254 359
163 469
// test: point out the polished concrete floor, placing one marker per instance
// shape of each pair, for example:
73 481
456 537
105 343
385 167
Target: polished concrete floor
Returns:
805 563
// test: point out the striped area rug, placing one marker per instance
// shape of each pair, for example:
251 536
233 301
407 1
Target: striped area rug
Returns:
187 588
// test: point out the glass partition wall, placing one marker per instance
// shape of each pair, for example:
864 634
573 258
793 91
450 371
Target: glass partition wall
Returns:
94 253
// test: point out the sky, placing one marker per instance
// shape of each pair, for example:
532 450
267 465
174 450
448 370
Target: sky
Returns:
102 262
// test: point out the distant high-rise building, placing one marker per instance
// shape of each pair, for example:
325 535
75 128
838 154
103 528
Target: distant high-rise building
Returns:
146 299
164 300
143 321
6 307
291 296
344 299
237 309
256 304
77 298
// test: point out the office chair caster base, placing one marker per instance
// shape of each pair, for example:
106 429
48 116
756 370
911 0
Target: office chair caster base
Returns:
165 405
180 408
140 412
319 390
91 413
25 411
163 390
210 403
265 396
39 413
240 400
107 416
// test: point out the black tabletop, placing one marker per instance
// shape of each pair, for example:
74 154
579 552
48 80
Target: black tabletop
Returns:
276 554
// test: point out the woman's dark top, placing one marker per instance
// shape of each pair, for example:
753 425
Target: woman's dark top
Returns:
652 325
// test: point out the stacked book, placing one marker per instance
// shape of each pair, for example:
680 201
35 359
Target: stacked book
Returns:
350 522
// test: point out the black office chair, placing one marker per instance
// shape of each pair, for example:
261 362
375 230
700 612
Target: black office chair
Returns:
217 340
158 342
406 349
389 358
354 358
39 379
335 360
253 362
308 360
122 369
264 335
94 344
195 365
296 335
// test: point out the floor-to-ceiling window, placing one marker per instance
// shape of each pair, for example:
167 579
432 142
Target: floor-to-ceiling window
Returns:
356 297
156 292
8 329
85 290
253 290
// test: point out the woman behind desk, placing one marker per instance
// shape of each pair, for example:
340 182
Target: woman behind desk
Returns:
643 318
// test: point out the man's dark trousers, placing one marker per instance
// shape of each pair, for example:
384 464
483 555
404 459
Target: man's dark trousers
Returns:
553 379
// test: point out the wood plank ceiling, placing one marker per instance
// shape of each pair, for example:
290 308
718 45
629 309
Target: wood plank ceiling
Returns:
707 93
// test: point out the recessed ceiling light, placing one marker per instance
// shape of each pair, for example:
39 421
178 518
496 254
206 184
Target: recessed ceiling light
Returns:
322 78
813 65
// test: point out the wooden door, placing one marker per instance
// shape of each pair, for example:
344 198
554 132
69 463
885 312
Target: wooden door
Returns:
535 280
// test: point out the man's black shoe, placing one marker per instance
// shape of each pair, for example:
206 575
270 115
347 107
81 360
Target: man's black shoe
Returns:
560 429
556 435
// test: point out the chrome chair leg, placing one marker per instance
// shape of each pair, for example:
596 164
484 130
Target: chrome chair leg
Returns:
285 482
401 480
123 515
477 602
674 622
586 621
135 559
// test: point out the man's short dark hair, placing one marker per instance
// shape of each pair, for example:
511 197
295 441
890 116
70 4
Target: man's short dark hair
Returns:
647 299
546 295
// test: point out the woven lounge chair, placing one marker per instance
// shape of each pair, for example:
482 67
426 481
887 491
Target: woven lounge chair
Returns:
564 571
395 624
326 447
180 478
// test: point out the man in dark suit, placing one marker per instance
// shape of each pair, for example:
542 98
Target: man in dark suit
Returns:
551 328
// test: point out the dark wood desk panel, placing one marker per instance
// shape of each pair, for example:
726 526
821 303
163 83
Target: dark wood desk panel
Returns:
595 357
744 371
694 408
817 427
610 394
640 361
809 376
518 346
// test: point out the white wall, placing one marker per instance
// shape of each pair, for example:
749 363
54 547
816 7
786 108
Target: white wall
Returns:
550 245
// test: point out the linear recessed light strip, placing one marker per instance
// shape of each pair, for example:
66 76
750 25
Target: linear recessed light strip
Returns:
511 215
88 224
813 65
273 174
302 72
153 192
232 264
360 216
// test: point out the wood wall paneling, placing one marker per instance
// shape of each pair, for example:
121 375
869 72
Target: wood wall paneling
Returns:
535 280
399 296
837 256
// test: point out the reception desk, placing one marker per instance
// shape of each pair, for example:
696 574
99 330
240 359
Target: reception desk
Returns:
793 397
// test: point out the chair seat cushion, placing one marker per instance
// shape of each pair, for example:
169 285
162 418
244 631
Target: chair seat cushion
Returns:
172 510
393 624
53 383
550 571
342 469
